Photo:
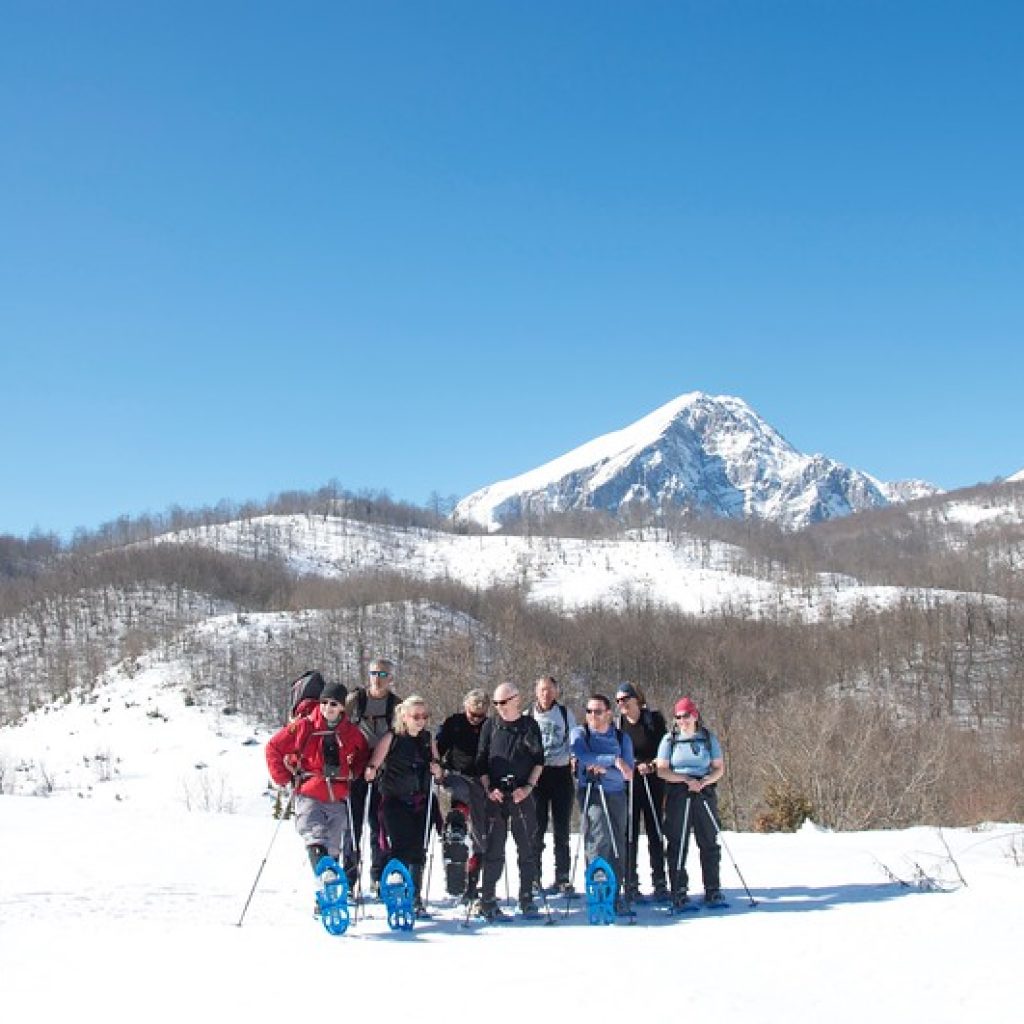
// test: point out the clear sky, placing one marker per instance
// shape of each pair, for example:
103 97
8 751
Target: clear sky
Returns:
249 247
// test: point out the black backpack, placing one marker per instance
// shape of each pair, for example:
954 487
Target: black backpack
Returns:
307 687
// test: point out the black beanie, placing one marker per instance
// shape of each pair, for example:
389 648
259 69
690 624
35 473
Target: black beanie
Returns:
334 691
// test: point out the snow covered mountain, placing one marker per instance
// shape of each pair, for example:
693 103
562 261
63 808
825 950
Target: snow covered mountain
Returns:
711 454
1017 478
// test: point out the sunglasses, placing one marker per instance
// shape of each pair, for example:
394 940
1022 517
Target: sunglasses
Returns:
502 703
686 714
622 700
379 673
330 703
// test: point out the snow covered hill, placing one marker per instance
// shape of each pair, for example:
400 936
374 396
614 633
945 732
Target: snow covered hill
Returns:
713 455
694 575
124 882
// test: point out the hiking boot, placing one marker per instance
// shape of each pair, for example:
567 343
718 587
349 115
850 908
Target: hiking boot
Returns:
631 892
623 907
489 910
527 907
419 908
661 893
715 899
680 901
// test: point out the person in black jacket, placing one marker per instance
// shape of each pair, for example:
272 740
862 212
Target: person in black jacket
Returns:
402 765
509 761
645 727
458 740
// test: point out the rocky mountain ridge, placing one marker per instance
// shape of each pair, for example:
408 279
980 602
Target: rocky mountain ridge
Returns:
711 455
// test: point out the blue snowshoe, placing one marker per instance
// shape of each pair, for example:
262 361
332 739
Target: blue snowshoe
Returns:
601 888
399 895
332 898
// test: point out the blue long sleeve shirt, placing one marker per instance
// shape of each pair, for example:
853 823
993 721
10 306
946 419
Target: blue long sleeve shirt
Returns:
601 748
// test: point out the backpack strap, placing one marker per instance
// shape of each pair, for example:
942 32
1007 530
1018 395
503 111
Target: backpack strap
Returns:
565 716
362 697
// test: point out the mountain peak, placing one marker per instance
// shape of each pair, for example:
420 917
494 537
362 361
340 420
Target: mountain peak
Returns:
710 453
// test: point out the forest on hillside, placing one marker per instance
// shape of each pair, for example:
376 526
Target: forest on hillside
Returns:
883 718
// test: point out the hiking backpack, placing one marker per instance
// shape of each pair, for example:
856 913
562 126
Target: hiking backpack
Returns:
305 692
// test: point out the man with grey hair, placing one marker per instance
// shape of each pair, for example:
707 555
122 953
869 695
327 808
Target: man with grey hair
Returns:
371 709
555 791
509 761
458 740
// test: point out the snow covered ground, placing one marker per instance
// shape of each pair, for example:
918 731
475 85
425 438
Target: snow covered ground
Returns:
122 888
697 577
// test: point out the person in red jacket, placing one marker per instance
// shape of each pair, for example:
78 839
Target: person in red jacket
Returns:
319 754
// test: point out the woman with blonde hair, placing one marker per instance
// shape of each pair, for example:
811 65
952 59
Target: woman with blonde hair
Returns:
402 765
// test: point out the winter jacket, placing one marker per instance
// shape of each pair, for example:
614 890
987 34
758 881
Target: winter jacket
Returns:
592 748
321 761
690 755
457 742
646 733
509 749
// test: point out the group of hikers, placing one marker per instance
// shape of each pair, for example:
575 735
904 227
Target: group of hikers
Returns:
365 763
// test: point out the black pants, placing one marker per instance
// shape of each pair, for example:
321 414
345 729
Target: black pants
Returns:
522 819
378 856
648 797
405 822
554 793
680 806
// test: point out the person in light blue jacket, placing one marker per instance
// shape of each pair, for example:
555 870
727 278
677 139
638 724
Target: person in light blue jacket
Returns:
604 768
691 763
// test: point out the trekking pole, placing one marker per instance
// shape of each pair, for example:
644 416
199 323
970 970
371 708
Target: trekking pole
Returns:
721 839
654 810
608 821
682 833
543 894
360 860
579 842
483 865
632 848
270 846
427 845
508 893
352 839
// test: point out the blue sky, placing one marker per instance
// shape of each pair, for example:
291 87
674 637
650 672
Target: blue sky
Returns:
249 247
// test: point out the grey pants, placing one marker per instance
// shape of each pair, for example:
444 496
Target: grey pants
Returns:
322 824
599 828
